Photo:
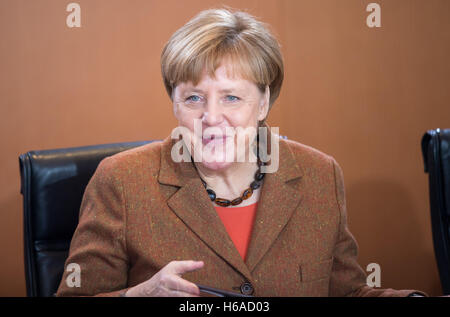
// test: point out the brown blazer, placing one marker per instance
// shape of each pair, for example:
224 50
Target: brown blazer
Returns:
141 210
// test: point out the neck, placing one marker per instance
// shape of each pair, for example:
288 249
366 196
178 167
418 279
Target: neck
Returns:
229 182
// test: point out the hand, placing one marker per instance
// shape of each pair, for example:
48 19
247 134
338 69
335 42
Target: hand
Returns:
168 282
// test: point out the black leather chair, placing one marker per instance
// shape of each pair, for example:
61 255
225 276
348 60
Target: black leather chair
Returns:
53 183
436 156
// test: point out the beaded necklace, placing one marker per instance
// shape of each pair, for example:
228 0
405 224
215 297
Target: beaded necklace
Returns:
255 184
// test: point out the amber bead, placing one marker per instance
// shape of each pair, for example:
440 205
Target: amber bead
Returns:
236 201
223 202
248 192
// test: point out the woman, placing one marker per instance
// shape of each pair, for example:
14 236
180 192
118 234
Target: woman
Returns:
152 224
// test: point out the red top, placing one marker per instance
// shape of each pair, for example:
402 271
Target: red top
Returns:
239 223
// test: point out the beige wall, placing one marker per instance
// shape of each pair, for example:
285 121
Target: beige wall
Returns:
363 95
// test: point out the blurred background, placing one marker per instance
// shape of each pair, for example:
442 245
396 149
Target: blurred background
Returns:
363 95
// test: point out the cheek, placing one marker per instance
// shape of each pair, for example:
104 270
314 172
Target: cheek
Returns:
186 118
245 117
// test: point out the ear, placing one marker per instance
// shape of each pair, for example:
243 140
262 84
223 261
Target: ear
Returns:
264 105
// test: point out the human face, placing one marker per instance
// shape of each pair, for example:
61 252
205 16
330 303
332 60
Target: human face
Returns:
223 103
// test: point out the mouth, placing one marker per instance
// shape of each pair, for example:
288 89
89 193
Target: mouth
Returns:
214 138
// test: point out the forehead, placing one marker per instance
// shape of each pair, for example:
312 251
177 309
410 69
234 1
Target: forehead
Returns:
225 76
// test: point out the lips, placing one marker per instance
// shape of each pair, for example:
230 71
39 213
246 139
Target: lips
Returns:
215 139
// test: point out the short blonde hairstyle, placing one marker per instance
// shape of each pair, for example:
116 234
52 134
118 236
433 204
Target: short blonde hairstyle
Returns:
218 34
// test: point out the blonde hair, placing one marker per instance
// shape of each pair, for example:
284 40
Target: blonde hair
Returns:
216 35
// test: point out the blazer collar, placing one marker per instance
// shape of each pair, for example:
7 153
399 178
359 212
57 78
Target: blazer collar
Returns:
192 205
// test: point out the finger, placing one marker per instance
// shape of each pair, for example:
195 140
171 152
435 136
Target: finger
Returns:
181 267
178 284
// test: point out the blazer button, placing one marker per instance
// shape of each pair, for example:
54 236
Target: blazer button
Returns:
247 288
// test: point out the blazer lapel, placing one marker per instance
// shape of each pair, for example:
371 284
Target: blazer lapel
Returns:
193 206
278 200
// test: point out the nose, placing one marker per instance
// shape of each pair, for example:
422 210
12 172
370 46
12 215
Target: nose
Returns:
212 115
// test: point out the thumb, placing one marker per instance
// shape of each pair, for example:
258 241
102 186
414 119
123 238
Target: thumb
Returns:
181 267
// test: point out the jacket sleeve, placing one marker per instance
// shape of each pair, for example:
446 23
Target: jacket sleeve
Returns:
347 277
98 245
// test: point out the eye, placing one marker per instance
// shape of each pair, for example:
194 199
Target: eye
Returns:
193 98
232 98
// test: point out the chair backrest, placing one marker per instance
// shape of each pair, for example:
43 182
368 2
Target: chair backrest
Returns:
52 185
436 155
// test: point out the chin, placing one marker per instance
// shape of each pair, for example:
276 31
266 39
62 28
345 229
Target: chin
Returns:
216 166
214 155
